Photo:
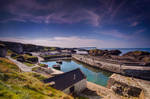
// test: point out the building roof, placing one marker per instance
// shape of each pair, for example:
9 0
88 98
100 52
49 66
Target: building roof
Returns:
67 79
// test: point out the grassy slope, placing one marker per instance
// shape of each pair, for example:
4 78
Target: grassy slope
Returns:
17 85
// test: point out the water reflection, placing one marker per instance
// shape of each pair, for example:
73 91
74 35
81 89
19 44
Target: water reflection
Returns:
93 75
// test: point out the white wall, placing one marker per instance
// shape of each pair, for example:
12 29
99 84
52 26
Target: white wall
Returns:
79 87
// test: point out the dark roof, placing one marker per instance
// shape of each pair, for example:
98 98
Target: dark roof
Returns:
67 79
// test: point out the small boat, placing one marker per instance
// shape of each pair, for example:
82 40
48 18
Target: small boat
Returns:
56 67
59 62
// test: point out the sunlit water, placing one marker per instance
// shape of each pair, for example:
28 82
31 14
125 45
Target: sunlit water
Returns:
93 75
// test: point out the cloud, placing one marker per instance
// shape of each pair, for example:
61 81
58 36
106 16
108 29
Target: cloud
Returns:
115 33
51 12
126 36
134 24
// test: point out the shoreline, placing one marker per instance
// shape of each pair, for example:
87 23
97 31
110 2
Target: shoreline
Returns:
133 71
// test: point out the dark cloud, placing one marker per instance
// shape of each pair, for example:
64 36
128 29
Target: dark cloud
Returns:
94 12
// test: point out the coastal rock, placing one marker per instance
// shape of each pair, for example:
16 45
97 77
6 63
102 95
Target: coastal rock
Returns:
32 48
124 86
20 58
140 56
114 52
32 60
3 50
136 53
98 52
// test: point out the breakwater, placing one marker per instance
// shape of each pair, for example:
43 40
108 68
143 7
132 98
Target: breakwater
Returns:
134 71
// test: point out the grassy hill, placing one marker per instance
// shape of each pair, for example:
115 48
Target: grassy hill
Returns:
15 84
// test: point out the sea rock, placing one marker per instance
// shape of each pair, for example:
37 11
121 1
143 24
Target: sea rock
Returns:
3 50
98 52
114 52
137 54
140 56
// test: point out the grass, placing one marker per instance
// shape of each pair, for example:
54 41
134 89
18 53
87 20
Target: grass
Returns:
28 64
28 56
15 84
35 68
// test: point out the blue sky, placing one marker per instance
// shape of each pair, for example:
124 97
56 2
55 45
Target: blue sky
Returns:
76 23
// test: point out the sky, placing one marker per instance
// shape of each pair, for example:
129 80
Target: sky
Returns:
76 23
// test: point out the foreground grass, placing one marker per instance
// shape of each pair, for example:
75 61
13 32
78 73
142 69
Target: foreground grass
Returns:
17 85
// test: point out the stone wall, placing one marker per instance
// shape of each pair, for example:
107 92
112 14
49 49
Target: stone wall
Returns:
79 87
98 64
134 71
124 86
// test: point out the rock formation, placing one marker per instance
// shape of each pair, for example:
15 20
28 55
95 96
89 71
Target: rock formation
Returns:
98 52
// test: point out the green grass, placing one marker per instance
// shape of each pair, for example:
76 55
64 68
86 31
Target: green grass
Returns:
28 56
35 68
15 84
28 64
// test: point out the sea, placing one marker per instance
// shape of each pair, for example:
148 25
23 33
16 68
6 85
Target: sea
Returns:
125 50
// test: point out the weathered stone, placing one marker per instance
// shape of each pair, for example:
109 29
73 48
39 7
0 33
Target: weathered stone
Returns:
136 53
114 52
98 52
124 86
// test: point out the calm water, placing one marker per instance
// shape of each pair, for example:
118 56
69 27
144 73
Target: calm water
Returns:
93 75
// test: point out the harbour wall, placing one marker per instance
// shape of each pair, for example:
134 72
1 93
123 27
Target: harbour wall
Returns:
133 71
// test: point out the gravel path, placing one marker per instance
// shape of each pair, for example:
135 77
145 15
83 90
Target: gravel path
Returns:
22 66
37 55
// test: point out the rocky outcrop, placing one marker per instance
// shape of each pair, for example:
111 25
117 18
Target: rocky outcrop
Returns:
3 50
124 86
141 56
129 87
98 52
32 48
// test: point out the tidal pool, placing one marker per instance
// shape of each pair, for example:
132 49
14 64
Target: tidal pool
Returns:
93 75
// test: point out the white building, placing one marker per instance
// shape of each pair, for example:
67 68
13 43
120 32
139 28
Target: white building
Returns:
81 52
70 82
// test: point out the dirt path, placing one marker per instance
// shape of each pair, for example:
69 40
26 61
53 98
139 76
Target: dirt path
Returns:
37 55
22 66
